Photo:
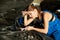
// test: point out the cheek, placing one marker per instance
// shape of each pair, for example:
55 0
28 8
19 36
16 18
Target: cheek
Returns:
37 14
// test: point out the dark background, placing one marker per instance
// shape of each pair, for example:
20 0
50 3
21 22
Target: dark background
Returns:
11 9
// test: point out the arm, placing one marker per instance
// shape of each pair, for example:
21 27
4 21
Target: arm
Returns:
33 15
27 21
46 24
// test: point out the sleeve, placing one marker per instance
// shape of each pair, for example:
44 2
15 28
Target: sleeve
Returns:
21 20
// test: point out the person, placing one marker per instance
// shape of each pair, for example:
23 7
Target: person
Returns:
49 20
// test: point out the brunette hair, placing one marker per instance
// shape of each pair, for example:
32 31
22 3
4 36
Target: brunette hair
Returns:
32 7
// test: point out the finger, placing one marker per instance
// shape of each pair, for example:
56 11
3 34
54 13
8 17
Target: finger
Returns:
30 12
25 11
22 11
22 29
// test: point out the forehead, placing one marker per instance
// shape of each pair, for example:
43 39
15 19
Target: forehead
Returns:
31 8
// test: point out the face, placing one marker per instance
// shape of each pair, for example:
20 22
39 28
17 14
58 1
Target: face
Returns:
33 13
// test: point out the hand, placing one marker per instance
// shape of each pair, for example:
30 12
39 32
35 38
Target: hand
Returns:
29 28
33 14
24 13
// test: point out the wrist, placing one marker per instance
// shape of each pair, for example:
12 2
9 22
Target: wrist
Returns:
25 14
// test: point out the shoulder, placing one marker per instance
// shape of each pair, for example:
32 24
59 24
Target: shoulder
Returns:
47 16
21 19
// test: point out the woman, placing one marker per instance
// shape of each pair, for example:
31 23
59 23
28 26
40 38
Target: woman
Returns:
50 21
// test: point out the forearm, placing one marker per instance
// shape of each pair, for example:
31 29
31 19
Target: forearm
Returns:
40 30
27 21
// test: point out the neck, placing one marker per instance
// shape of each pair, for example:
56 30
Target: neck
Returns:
40 15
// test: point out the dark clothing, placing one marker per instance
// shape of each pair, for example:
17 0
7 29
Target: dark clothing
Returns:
53 29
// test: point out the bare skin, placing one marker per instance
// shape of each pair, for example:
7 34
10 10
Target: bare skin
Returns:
34 14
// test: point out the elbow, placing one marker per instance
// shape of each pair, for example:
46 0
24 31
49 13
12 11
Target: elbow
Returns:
25 24
45 31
